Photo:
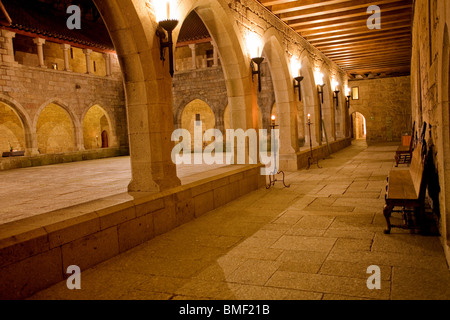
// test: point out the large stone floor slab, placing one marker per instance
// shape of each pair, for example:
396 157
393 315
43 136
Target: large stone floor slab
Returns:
312 241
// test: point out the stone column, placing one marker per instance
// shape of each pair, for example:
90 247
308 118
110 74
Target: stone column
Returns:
87 53
215 54
194 56
40 51
66 48
107 57
8 56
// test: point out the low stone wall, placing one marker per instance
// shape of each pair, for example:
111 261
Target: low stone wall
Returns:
36 252
48 159
321 152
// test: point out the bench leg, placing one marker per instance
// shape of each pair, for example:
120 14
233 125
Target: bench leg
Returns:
387 215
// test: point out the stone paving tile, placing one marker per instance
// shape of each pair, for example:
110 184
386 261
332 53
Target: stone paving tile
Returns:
414 284
251 292
328 284
320 244
254 271
352 270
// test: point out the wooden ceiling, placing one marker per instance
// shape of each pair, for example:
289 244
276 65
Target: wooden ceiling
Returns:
339 29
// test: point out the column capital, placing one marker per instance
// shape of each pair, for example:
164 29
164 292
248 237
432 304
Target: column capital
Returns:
87 51
8 34
193 46
39 41
65 46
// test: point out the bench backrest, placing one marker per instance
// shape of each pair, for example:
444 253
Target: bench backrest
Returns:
417 167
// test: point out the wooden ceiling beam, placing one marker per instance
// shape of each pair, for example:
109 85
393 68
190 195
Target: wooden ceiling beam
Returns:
348 6
364 35
298 23
356 28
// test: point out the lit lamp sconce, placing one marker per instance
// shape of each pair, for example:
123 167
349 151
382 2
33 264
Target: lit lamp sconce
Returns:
320 85
297 74
273 122
166 25
254 46
336 93
348 95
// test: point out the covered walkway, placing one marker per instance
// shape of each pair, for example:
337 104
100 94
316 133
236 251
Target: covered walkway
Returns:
314 240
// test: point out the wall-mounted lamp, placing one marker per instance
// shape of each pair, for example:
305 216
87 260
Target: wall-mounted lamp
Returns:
256 69
348 95
273 118
254 48
320 85
297 74
167 25
335 85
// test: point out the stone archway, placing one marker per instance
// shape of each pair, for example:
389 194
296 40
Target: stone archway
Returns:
132 27
359 126
310 101
194 111
96 128
55 130
284 98
234 60
147 82
12 131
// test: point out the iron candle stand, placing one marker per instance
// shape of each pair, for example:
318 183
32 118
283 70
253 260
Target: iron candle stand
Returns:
311 159
272 177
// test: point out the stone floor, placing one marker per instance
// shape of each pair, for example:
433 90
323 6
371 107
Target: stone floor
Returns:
32 191
314 240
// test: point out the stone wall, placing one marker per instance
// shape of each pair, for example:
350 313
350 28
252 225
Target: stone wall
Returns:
28 90
386 105
430 74
207 85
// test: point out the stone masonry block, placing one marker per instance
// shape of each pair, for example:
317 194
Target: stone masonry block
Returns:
21 279
135 232
91 250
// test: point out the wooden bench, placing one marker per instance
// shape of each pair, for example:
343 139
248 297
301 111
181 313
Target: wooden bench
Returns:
406 189
404 152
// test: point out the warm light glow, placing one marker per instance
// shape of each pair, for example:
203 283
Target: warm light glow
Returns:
296 67
164 10
254 44
347 91
274 117
335 85
309 116
318 76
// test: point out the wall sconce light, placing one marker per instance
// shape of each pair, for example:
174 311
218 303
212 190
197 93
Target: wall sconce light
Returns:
256 69
273 118
348 95
297 73
254 48
320 85
167 25
336 93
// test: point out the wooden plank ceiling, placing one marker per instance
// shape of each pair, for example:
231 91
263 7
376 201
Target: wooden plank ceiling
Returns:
339 29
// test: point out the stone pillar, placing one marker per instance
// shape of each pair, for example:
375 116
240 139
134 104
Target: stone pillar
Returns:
8 56
107 57
66 48
40 51
87 53
194 56
215 54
